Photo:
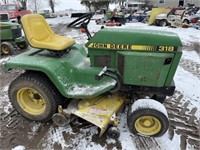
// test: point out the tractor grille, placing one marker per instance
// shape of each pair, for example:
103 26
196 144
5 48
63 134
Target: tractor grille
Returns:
102 61
120 64
4 17
16 32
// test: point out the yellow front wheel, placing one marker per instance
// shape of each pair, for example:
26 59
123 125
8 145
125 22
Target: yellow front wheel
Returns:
147 125
34 96
7 48
148 117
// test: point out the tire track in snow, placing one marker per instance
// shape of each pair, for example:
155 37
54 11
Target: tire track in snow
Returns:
184 121
146 143
191 66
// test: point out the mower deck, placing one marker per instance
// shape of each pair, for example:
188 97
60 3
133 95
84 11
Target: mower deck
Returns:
99 111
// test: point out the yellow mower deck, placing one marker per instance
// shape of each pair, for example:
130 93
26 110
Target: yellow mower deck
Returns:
100 111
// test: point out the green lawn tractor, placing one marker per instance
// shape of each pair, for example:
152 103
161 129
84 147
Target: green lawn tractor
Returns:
124 69
11 38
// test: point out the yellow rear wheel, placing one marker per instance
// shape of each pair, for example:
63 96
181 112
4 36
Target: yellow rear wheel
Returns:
31 101
34 96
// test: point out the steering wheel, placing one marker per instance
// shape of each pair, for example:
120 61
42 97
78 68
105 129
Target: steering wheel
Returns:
82 19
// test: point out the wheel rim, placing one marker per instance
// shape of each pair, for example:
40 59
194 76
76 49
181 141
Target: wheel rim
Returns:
164 24
147 125
5 49
22 45
31 101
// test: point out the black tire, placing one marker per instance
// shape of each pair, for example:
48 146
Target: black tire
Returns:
186 21
34 96
7 48
113 132
156 22
147 119
22 45
159 98
163 23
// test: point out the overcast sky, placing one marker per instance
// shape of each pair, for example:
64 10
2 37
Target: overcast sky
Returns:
67 4
62 5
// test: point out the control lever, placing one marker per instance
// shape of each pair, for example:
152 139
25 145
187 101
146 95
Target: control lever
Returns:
100 75
106 72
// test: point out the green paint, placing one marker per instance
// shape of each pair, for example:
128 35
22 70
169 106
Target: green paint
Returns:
6 30
71 73
173 68
7 35
145 69
135 54
136 37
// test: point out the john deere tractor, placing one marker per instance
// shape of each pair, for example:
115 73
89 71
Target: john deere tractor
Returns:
11 38
124 68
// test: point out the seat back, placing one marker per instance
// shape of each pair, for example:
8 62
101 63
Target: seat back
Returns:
36 27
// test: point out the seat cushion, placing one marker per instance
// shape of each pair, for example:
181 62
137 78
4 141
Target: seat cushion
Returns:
54 42
40 35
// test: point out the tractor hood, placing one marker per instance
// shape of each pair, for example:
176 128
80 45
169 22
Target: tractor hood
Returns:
131 39
8 25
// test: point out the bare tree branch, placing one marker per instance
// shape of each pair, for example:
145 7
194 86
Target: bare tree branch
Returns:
23 3
5 1
35 5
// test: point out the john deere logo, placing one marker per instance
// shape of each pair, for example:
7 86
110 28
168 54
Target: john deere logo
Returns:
110 46
132 47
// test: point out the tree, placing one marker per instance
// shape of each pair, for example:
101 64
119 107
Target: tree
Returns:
35 5
87 3
52 5
97 4
101 4
23 3
4 1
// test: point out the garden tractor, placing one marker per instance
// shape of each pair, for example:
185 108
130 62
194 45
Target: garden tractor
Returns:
11 37
122 69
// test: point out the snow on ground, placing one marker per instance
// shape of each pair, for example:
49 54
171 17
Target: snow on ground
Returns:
189 89
186 83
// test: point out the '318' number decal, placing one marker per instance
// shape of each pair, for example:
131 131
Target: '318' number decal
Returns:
166 48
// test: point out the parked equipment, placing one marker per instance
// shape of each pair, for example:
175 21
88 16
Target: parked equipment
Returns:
11 37
164 19
198 24
119 72
15 11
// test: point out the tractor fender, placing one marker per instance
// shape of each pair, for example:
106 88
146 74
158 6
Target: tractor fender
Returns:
71 74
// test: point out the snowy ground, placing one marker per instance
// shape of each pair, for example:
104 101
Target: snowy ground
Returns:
183 108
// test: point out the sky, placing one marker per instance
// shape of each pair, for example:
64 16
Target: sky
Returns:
74 4
67 4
